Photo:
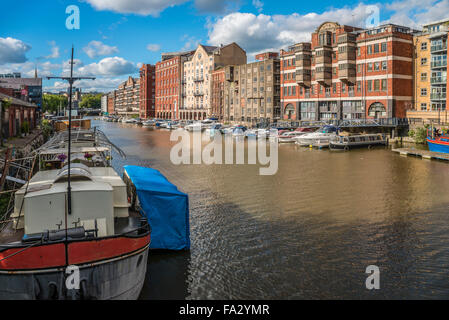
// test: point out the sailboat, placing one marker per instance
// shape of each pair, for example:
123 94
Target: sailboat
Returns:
73 234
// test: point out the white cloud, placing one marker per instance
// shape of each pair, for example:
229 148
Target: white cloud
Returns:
216 6
44 69
155 7
140 7
54 51
112 66
99 85
97 48
415 13
153 47
190 42
256 33
13 50
258 5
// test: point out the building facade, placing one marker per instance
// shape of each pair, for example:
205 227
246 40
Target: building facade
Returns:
349 73
196 82
30 88
104 103
127 98
14 113
252 91
147 91
111 102
169 74
217 92
430 73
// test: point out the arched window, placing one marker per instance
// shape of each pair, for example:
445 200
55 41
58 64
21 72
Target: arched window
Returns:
377 110
289 111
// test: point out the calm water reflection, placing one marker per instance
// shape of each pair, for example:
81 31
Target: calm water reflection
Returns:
307 232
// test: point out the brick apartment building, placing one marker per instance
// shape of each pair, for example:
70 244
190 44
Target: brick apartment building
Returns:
169 75
147 91
251 92
348 73
127 98
196 82
430 73
217 92
111 102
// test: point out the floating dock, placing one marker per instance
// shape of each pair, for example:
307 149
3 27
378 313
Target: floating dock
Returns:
425 154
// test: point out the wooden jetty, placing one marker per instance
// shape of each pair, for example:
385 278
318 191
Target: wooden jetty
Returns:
424 154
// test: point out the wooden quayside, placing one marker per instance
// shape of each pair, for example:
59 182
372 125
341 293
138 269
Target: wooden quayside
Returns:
424 154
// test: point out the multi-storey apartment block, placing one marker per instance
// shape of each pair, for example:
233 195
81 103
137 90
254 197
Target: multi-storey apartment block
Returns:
348 73
252 91
169 77
147 91
127 98
197 77
430 73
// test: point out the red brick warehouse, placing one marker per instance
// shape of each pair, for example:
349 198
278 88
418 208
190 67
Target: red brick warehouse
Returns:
147 91
169 95
348 73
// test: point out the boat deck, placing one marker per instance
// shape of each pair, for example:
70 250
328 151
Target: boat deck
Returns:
424 154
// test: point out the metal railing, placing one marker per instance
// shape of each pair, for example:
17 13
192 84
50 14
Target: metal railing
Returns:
438 64
438 80
341 123
437 96
438 47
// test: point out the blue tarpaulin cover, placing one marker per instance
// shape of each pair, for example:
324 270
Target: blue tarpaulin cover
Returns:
166 207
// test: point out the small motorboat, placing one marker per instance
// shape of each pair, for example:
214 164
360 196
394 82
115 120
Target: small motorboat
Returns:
358 141
197 126
172 125
239 131
319 138
148 123
289 136
216 127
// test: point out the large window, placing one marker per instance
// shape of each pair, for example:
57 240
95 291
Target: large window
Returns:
377 110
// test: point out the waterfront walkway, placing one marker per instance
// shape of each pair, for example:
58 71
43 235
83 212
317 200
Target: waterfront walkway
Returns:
424 154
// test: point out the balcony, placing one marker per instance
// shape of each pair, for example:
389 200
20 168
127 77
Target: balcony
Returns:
347 73
346 53
438 80
438 64
323 54
438 96
324 76
325 58
347 38
303 60
439 47
198 93
303 77
198 79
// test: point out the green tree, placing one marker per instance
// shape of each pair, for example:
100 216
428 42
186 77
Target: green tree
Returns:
91 101
51 102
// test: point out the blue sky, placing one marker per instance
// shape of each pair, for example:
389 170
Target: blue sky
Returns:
116 36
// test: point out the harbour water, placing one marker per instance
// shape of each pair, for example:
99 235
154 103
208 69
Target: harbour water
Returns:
308 232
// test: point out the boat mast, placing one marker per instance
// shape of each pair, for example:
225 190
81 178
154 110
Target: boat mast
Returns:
70 80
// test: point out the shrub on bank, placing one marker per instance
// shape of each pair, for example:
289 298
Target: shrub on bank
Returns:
419 134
